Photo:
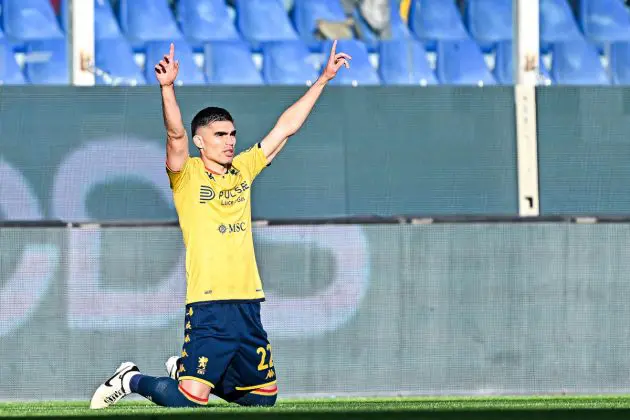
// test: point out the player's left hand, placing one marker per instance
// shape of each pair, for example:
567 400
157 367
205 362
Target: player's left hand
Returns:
335 61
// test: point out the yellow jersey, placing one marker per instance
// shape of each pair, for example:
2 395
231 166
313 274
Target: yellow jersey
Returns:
215 218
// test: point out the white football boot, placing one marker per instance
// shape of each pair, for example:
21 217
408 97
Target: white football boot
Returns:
171 367
115 388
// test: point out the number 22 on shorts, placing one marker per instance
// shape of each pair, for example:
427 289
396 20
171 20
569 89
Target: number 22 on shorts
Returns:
263 355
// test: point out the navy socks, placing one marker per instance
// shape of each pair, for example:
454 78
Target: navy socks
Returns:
163 391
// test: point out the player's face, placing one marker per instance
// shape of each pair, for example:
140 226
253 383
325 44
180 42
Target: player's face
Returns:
219 140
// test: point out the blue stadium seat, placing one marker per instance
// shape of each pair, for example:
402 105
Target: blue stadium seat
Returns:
307 12
189 73
557 23
230 63
361 71
30 20
105 23
10 73
47 63
399 28
605 20
504 65
620 63
205 21
462 63
436 20
264 20
147 20
404 62
489 21
288 63
115 57
577 63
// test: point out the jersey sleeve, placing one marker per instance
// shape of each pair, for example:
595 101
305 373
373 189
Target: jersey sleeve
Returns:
180 178
251 161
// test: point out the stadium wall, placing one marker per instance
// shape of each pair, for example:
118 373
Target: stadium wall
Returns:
79 154
523 308
584 150
455 308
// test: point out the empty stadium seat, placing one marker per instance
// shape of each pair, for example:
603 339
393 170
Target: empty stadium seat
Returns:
620 63
399 29
436 20
264 20
557 23
404 62
10 73
361 71
605 20
504 65
489 21
307 12
462 63
189 73
288 63
30 20
230 63
147 20
205 21
105 23
577 63
47 62
115 57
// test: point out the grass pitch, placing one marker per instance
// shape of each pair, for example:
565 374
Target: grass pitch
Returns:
487 408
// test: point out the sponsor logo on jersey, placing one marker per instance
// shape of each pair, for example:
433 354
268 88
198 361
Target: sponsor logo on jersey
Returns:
232 227
233 195
206 194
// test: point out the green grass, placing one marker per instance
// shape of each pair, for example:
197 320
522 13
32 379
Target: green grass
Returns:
487 408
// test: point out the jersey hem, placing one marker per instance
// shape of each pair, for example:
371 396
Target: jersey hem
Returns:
227 301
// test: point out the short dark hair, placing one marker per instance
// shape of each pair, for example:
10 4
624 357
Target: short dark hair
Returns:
209 115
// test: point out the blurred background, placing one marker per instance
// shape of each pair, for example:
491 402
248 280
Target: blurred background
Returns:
453 218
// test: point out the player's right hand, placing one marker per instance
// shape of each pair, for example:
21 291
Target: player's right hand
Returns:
166 70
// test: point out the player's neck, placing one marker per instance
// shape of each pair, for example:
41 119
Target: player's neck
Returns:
214 167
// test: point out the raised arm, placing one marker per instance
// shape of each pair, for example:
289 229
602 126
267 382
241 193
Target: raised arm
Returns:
176 137
294 117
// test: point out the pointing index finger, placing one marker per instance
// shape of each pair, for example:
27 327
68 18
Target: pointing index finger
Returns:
171 53
334 48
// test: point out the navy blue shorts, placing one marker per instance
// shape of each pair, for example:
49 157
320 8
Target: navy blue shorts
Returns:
226 347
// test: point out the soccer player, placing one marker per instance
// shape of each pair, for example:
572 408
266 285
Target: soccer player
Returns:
226 351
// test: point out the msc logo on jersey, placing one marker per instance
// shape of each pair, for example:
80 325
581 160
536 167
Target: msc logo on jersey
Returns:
232 227
206 193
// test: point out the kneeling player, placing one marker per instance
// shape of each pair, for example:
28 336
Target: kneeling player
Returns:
226 351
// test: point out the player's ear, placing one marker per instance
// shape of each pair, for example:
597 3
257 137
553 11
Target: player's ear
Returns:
198 141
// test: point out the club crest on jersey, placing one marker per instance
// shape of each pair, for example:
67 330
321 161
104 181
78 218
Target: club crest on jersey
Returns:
206 193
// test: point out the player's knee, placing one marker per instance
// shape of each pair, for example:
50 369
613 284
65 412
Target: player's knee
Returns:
268 395
262 397
195 391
